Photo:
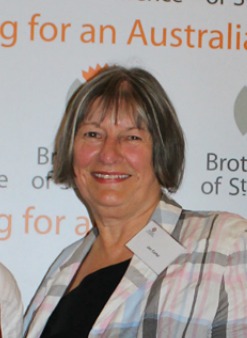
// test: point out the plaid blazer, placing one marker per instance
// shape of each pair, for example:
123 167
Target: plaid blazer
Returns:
11 308
203 293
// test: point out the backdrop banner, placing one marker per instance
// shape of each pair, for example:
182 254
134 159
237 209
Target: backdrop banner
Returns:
196 49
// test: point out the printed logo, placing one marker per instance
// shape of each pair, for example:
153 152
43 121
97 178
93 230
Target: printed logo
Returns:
152 232
72 89
240 111
92 71
87 75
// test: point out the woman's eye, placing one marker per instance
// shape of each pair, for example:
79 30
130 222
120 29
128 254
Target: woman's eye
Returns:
134 138
92 134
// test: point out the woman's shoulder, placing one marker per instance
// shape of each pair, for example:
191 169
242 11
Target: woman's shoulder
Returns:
90 237
221 229
72 252
8 283
217 216
11 304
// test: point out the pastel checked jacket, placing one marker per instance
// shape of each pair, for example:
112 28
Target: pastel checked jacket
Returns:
203 293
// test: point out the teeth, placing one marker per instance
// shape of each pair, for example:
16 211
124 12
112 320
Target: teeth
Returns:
110 177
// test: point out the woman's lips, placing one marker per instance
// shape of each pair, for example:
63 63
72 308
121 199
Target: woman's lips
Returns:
109 177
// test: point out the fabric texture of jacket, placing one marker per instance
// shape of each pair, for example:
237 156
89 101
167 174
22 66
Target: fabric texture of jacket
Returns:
203 293
11 307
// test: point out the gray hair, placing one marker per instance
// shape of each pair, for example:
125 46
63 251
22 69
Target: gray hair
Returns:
139 90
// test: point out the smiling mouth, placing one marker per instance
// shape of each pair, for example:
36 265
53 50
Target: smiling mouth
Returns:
110 176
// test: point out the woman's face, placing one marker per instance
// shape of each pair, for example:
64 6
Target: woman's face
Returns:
112 162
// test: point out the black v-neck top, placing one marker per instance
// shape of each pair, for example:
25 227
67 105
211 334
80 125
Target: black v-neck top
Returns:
77 311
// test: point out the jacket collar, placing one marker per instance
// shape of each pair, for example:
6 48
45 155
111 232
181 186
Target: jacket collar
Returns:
167 213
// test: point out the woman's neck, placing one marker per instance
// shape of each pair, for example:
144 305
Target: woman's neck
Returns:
117 228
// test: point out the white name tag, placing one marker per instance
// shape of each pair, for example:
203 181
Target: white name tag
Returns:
155 247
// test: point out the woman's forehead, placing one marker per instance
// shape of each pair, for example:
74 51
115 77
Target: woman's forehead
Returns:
110 117
120 113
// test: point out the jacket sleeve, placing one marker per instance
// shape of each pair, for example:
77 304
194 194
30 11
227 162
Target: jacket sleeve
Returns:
231 317
10 305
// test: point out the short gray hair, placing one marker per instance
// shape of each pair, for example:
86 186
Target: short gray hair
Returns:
149 104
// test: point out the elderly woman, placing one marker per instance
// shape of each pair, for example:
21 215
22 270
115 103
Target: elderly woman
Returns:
11 308
148 268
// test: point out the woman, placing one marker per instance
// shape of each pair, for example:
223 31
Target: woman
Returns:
120 146
11 309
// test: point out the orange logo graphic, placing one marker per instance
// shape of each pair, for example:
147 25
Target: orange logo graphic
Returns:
87 76
92 71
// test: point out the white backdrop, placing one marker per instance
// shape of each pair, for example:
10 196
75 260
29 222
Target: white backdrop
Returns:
196 49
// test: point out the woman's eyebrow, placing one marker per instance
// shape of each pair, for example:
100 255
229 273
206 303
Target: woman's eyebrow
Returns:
135 127
131 128
97 124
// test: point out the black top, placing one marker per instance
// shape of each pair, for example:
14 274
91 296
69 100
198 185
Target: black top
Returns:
76 312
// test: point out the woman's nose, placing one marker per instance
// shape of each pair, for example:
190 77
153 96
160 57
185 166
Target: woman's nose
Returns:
110 151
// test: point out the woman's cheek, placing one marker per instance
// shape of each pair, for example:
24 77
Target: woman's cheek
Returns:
139 157
84 156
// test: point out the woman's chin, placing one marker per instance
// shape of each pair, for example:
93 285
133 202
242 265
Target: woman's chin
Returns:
110 199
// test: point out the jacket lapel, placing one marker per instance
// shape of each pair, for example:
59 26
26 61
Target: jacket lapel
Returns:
137 274
56 283
166 214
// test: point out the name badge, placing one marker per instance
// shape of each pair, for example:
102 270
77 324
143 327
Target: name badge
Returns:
155 247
